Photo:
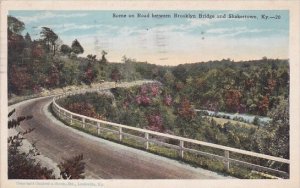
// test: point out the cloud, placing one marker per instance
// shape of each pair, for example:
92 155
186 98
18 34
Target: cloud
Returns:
69 27
201 22
231 32
63 28
47 15
190 25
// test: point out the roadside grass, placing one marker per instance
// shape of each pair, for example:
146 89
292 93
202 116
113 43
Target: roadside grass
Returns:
19 99
192 159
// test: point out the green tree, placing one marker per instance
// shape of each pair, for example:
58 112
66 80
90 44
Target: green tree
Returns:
115 75
274 138
16 42
103 59
180 73
76 47
91 58
49 38
14 25
65 49
169 78
28 39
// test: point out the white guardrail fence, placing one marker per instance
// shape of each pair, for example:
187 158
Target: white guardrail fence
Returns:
119 129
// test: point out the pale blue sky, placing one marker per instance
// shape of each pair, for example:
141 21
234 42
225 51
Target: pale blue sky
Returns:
168 41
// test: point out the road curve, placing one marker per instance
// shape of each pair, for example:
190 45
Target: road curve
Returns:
104 159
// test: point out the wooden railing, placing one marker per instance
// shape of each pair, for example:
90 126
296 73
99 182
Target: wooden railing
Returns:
183 143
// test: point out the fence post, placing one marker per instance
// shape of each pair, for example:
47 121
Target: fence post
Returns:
181 149
83 122
226 163
71 119
98 128
147 140
120 133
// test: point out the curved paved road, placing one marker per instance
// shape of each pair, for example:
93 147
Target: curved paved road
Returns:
103 159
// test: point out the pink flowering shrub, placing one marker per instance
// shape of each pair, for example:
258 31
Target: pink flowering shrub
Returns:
155 90
144 89
155 122
168 100
146 93
143 100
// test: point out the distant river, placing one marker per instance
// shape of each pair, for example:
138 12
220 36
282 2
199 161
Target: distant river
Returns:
249 118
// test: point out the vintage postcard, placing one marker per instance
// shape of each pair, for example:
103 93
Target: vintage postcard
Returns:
150 94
